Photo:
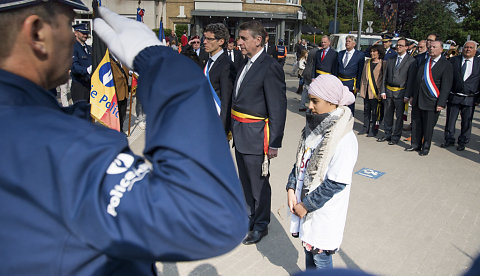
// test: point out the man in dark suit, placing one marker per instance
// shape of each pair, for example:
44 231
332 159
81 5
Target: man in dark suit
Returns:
395 78
462 98
270 48
429 96
258 112
350 66
325 60
234 55
220 70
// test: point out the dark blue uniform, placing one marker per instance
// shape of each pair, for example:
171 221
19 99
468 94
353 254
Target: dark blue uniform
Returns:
76 200
81 60
390 54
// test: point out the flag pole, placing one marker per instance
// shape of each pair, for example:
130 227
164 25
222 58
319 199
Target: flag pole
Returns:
130 114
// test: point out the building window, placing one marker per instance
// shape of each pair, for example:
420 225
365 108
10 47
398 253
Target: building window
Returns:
292 2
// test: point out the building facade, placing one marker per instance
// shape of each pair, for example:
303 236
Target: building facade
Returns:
281 18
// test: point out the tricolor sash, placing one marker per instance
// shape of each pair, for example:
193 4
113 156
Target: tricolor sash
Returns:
322 72
216 99
349 79
373 87
246 118
428 77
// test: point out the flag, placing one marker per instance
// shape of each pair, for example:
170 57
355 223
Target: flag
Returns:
103 100
161 33
140 14
102 96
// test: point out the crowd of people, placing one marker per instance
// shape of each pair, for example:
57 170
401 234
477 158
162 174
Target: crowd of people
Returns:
104 210
391 80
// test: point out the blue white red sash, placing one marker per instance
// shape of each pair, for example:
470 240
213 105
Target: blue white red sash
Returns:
432 87
214 94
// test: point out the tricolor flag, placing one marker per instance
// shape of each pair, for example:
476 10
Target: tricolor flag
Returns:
102 96
161 33
140 14
103 100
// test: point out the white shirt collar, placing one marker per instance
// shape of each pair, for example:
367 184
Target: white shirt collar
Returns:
350 52
402 56
214 57
437 58
252 60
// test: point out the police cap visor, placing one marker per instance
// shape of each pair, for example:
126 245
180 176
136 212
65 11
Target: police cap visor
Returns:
15 4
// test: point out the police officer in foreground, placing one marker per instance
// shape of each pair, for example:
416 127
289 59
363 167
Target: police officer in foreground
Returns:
81 64
75 199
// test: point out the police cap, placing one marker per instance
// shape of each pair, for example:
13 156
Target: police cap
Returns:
15 4
386 37
82 27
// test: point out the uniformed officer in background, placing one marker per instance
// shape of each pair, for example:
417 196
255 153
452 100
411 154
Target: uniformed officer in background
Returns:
75 199
81 65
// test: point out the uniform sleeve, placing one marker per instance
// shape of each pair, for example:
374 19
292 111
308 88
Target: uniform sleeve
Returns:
183 200
276 100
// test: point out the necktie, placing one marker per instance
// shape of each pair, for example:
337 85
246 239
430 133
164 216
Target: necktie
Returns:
399 60
323 54
244 72
464 69
230 53
85 48
345 61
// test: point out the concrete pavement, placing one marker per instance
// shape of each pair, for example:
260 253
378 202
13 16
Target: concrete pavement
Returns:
422 217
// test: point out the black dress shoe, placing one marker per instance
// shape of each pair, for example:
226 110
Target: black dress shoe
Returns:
254 237
423 152
383 139
446 145
412 149
393 142
461 147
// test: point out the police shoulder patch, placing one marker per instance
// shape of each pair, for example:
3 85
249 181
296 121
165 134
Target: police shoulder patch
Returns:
121 164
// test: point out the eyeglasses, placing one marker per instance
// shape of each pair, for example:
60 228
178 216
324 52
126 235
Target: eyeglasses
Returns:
196 42
210 38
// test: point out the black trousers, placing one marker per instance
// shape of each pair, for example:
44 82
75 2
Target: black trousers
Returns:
122 112
466 115
370 115
256 189
394 106
79 92
352 106
422 127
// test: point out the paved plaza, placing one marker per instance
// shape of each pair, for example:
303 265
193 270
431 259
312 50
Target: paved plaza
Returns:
421 217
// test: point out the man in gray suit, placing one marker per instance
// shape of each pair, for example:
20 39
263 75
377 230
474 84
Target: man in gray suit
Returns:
395 78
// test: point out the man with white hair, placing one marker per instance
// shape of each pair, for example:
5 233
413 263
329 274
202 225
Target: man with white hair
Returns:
464 95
